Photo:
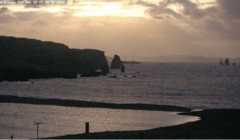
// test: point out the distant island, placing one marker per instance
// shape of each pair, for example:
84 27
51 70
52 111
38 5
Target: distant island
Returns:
130 62
187 58
22 59
179 58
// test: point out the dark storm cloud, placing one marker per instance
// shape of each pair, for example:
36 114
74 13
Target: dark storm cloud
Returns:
162 12
221 20
230 8
229 18
225 9
190 9
157 11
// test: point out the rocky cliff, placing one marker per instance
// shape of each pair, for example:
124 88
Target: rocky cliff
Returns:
22 59
116 62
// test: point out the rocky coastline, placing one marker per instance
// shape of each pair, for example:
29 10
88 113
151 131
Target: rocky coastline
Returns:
22 59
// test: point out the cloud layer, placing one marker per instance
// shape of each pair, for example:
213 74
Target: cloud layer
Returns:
169 27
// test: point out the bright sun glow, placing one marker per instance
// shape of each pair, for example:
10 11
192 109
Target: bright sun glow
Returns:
54 9
117 9
108 9
91 9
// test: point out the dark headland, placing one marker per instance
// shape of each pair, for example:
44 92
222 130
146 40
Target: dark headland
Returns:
22 59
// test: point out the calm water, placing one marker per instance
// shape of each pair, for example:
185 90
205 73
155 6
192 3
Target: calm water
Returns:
18 119
196 86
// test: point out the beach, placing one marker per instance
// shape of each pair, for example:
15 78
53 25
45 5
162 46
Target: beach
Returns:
213 123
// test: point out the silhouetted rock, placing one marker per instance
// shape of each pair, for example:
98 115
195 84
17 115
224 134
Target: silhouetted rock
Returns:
221 62
234 64
227 62
22 59
116 62
114 76
122 68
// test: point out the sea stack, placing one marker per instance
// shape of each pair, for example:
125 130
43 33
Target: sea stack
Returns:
122 68
116 62
221 62
227 62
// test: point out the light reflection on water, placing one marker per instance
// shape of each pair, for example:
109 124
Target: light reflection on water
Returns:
18 119
191 85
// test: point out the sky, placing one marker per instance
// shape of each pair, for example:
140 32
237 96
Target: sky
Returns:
131 28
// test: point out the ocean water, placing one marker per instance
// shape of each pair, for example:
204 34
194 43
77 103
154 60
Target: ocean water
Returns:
17 120
192 85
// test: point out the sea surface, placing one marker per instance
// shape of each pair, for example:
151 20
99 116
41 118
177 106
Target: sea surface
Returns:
191 85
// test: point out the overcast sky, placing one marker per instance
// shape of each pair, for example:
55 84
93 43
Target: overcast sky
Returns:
132 28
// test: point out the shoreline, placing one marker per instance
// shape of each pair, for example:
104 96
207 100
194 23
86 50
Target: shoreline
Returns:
89 104
213 123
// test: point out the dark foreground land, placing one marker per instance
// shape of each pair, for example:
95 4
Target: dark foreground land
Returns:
214 123
77 103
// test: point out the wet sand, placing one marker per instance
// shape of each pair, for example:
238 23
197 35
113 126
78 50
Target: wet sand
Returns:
214 123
